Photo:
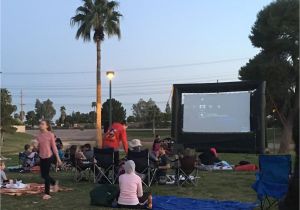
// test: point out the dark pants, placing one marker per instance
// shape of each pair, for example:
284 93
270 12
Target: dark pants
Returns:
45 170
142 205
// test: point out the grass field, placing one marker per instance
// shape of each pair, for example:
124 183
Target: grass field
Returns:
222 185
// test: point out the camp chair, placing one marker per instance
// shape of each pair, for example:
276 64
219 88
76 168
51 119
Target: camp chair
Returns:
187 173
82 169
272 180
142 165
105 166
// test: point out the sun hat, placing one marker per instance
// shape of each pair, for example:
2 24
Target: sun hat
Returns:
134 143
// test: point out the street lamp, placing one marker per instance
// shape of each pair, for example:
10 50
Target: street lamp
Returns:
110 75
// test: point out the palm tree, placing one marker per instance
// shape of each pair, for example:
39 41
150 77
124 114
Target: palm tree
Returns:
63 114
101 18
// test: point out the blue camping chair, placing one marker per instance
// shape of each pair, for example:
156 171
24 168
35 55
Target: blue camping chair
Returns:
272 179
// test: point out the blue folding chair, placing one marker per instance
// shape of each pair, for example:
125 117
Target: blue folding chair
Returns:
272 180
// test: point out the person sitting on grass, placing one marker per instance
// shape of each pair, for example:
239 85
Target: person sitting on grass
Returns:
209 157
156 144
135 145
61 153
131 190
34 145
3 178
163 164
88 152
29 157
79 153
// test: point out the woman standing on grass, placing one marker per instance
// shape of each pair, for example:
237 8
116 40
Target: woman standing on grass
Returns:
47 150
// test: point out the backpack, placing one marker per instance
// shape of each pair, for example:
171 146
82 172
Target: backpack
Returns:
104 195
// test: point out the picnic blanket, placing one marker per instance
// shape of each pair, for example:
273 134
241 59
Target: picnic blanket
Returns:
31 189
177 203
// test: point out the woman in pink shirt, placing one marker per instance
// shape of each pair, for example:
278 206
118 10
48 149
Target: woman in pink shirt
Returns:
131 190
47 148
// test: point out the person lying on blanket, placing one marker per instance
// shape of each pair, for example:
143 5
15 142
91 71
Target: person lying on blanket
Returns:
3 178
131 190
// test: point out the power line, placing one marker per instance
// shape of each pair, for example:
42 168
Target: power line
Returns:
169 66
133 84
120 94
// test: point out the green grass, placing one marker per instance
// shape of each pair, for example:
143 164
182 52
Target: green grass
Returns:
147 134
220 185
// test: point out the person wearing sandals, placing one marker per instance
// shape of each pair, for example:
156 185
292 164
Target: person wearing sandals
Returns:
47 151
131 190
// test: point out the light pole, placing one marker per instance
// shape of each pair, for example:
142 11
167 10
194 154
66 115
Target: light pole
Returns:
110 75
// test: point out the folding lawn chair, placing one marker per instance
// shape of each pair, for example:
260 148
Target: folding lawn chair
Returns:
82 169
105 166
187 173
272 180
142 165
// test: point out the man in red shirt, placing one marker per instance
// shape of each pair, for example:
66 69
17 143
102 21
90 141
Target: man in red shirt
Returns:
115 134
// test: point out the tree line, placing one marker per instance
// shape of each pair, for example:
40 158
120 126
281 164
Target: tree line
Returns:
145 114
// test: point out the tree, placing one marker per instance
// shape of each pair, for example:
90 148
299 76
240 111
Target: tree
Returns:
39 109
31 118
118 111
7 110
276 33
168 113
63 114
131 119
147 112
44 110
16 116
100 18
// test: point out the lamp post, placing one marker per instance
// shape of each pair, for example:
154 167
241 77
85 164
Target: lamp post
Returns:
110 75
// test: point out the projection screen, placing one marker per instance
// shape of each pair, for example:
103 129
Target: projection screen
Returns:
223 112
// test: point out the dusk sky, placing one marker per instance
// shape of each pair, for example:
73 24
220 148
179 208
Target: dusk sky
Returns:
162 43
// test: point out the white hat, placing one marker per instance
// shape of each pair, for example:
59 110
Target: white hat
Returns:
134 143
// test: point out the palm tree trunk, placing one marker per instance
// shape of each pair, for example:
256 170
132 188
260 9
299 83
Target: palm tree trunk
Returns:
98 95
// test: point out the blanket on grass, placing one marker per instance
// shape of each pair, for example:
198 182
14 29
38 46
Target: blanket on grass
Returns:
31 189
177 203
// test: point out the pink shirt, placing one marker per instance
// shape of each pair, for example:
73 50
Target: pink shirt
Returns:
130 189
47 146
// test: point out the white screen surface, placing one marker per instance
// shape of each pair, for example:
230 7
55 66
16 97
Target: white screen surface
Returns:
216 112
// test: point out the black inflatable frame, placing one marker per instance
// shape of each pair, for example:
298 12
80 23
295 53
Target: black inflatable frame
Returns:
250 142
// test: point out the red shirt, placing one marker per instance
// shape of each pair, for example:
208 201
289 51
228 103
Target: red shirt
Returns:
115 134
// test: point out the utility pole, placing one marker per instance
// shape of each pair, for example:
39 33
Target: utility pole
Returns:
153 122
22 108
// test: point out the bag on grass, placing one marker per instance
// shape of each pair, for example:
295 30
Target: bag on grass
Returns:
104 195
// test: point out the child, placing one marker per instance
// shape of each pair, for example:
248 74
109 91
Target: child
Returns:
3 178
28 161
61 153
163 164
34 145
